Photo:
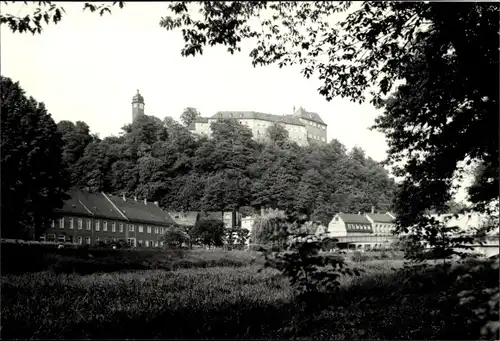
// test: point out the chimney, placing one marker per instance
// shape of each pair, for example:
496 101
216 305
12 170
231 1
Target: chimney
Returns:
145 201
156 203
123 197
373 209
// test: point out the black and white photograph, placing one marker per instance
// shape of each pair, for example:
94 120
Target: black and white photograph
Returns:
277 170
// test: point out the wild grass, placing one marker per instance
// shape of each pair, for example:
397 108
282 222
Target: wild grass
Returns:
239 301
19 258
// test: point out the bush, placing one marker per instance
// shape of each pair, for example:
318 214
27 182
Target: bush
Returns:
359 257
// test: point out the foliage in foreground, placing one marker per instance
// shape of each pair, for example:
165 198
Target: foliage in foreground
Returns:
242 303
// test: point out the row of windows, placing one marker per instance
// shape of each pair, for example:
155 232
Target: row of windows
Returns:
314 124
358 227
88 225
316 137
88 240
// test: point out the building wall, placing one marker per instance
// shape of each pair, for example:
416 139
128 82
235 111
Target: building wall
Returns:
315 131
336 228
102 230
258 127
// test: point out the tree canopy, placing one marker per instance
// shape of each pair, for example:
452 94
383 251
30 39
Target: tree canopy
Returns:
33 172
432 67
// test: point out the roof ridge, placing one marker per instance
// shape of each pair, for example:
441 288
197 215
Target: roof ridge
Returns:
116 207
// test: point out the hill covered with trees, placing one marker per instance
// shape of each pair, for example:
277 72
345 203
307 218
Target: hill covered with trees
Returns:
162 161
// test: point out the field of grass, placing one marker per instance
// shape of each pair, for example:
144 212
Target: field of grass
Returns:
234 301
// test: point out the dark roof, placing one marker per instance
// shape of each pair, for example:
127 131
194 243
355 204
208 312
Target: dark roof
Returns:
380 218
201 120
137 211
73 206
312 116
99 205
138 98
354 218
184 218
289 119
358 228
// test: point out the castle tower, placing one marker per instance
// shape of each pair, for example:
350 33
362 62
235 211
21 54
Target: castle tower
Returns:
137 106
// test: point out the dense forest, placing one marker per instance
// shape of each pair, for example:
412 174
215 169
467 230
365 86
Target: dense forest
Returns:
163 161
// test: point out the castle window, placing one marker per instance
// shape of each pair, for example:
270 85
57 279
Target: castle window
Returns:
61 223
89 226
71 223
141 228
80 224
97 225
79 240
121 227
105 226
113 227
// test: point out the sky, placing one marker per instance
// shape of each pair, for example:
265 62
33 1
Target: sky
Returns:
88 67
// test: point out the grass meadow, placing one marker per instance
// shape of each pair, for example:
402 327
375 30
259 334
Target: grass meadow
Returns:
217 294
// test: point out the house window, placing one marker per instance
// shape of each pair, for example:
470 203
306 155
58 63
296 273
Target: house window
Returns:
141 228
51 238
139 243
61 223
149 229
97 240
87 240
105 226
121 227
147 243
156 230
97 225
53 224
113 227
42 238
161 230
88 225
130 241
61 239
71 223
79 240
80 224
152 243
131 228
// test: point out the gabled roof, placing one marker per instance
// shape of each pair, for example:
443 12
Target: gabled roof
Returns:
312 116
184 218
353 218
73 206
99 205
289 119
381 218
138 211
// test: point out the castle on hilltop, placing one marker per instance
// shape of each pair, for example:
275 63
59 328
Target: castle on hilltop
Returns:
303 127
